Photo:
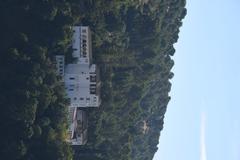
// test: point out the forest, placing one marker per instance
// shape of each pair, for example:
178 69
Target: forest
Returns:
132 44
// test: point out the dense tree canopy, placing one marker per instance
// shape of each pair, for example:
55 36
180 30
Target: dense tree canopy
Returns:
33 117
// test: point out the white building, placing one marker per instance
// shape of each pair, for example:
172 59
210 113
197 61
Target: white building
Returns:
82 84
82 45
82 78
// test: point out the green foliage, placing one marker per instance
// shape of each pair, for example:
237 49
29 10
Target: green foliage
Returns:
32 100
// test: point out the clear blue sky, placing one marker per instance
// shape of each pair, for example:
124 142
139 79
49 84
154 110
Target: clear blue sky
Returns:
203 117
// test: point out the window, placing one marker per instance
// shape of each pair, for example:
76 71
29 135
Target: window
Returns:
71 89
71 78
92 90
75 98
81 98
88 99
92 85
84 30
93 79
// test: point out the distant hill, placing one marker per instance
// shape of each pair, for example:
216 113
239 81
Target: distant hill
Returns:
132 43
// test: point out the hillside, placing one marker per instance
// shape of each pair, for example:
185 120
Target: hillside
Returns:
132 43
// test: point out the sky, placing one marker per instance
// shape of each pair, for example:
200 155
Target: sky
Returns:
202 121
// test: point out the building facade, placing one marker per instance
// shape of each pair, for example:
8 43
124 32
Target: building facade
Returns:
82 83
82 77
60 62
